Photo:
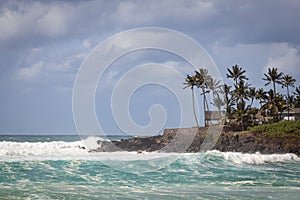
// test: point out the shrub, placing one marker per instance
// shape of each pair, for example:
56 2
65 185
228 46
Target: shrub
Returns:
281 128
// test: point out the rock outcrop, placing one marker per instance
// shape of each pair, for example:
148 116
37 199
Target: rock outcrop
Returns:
207 138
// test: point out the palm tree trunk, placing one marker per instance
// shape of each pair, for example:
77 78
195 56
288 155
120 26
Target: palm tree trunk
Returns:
204 106
274 86
288 98
242 123
193 102
262 114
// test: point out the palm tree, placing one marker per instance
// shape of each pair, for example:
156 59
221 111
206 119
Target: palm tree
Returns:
218 102
297 96
287 81
202 80
236 73
281 104
216 89
241 91
191 82
292 99
273 76
228 100
240 113
252 94
270 105
297 91
214 86
262 97
241 94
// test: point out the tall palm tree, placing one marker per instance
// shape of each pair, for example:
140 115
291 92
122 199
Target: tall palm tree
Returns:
288 81
191 82
273 76
236 73
202 80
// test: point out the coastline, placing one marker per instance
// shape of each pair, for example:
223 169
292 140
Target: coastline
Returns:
220 138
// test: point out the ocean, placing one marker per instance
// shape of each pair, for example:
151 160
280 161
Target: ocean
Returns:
58 167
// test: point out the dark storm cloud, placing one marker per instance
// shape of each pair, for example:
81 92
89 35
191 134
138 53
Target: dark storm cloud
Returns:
231 21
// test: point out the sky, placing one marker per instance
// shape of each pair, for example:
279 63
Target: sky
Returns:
44 43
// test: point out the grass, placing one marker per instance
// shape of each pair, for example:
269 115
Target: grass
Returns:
281 129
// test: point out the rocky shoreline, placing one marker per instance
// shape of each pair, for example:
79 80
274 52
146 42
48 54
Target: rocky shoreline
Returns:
207 138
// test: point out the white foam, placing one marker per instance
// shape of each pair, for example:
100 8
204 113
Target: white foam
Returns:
40 148
92 142
55 148
257 158
60 150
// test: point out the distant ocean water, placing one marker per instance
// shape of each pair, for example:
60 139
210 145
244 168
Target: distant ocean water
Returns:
55 167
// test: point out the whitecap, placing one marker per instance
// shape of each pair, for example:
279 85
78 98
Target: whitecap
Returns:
256 158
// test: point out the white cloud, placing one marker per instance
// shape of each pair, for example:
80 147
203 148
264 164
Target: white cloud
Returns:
33 54
64 63
30 73
256 58
183 11
286 58
15 23
38 18
54 22
86 44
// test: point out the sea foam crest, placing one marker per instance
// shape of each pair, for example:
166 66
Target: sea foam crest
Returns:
40 148
256 158
8 148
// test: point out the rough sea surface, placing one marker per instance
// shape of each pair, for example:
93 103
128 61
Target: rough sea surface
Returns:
54 167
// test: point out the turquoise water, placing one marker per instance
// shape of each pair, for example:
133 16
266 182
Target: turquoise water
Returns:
61 170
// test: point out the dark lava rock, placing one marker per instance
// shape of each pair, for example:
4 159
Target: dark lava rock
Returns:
191 140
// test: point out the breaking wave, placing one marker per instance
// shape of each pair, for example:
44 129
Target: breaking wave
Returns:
78 150
256 158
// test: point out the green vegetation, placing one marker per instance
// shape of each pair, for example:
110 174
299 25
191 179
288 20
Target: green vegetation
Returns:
281 129
236 101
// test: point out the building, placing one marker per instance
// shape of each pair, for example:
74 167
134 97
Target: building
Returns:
213 116
293 114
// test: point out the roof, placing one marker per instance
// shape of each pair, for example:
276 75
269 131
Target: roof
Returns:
292 111
212 115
